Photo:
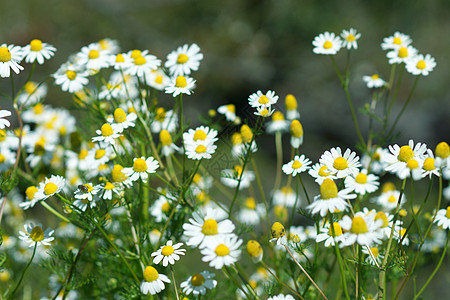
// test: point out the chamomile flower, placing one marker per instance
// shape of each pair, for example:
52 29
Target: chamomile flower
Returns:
421 65
429 167
199 150
330 199
92 58
201 134
443 218
229 111
266 100
157 79
141 168
442 155
153 282
70 79
375 161
231 177
119 178
407 160
180 85
291 107
184 60
32 93
197 284
388 200
139 65
326 234
341 165
121 120
298 165
35 235
163 119
281 297
327 43
373 255
86 191
201 230
254 250
401 54
278 123
107 133
350 38
222 251
320 173
10 57
397 40
250 212
374 81
264 111
168 253
362 183
296 134
30 200
3 122
38 51
49 187
167 146
362 229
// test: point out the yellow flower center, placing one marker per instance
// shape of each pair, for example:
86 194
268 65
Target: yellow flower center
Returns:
37 234
180 82
159 79
246 133
117 175
382 216
278 230
5 54
165 207
120 58
442 150
322 171
238 170
199 135
197 178
250 203
88 188
375 76
197 280
296 165
387 186
182 58
200 149
119 115
359 226
264 113
412 164
236 139
375 251
30 87
263 100
327 45
350 38
139 165
107 129
167 250
93 54
397 41
135 54
160 114
165 138
254 249
140 60
403 52
38 108
406 154
278 116
109 186
290 102
328 189
150 274
71 74
39 148
209 227
340 163
2 158
30 191
83 153
50 188
36 45
428 164
337 229
392 199
421 65
99 153
402 213
2 135
447 214
361 178
222 250
296 129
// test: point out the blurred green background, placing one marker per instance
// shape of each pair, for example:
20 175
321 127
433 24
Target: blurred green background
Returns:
259 45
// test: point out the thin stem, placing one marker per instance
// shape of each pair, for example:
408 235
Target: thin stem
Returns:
174 283
26 268
339 256
279 280
53 211
279 151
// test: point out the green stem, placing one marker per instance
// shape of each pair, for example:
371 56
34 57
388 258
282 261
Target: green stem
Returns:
339 256
26 268
53 211
279 280
279 150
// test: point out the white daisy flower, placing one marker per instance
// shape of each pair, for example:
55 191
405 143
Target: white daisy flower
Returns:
291 107
421 65
10 57
374 81
142 64
167 146
376 162
121 120
326 234
340 165
163 119
32 93
285 196
180 85
296 134
278 123
35 235
107 134
296 166
3 122
388 200
86 191
201 134
231 177
401 54
362 229
38 51
141 168
92 58
330 199
327 43
199 150
184 60
30 200
281 297
443 218
320 173
153 282
259 99
397 40
157 79
407 160
350 38
108 45
223 251
429 166
442 155
362 183
70 80
250 212
200 231
229 111
168 253
264 111
197 284
49 187
373 257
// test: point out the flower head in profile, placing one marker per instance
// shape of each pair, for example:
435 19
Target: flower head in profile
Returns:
350 38
168 253
229 111
278 234
38 51
180 85
184 60
327 43
10 57
3 122
153 282
36 236
443 218
197 284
